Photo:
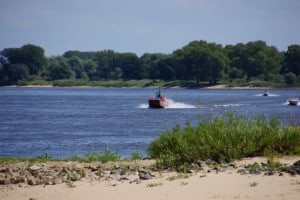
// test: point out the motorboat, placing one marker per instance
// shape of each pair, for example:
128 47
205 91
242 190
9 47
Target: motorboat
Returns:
266 93
158 102
293 101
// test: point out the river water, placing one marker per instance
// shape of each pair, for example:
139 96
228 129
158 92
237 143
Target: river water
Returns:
74 121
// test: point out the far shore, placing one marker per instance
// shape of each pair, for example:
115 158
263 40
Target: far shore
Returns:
220 86
208 184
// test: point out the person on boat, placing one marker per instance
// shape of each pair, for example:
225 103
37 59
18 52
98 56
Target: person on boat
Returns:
158 94
266 93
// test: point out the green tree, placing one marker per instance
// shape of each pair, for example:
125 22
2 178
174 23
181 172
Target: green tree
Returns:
116 74
29 55
90 68
235 73
81 55
255 59
237 60
3 75
105 63
292 60
76 65
149 64
166 70
202 61
182 67
58 68
131 67
290 78
15 73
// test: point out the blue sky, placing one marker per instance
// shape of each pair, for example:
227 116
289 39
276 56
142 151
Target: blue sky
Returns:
146 26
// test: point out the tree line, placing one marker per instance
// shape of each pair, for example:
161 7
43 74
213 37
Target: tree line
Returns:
199 61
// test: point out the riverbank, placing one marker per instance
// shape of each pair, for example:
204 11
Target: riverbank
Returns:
220 86
140 180
147 83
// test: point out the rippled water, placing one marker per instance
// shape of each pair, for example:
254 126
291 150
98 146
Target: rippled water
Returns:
73 121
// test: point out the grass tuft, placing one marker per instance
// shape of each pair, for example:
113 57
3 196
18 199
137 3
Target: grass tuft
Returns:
154 184
97 157
253 184
178 176
41 158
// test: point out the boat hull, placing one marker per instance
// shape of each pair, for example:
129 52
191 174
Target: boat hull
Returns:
157 103
293 102
266 94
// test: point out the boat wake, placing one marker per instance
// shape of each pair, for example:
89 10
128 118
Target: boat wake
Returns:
229 105
178 105
286 103
269 95
143 105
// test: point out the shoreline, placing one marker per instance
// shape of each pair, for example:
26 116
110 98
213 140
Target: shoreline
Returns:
207 183
214 87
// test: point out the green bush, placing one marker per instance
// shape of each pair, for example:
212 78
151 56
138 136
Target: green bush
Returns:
224 138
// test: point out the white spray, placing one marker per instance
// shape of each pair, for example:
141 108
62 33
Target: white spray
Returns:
172 105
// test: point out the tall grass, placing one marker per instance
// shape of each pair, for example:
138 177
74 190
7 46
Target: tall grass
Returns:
224 138
105 157
41 158
97 157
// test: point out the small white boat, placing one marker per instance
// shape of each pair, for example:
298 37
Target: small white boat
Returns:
293 101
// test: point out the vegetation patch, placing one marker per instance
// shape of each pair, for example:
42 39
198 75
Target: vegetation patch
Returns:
224 138
178 176
183 183
97 157
253 184
252 64
41 158
154 184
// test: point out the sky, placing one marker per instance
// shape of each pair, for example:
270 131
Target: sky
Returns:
146 26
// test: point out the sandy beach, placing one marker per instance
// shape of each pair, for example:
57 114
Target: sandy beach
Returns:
199 185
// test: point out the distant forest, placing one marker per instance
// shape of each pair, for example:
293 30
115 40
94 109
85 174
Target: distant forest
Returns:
199 62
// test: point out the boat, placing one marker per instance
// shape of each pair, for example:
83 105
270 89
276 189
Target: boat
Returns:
158 102
293 101
266 93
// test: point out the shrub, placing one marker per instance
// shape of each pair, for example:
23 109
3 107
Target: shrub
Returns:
224 138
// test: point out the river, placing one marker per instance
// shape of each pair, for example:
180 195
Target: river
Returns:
74 121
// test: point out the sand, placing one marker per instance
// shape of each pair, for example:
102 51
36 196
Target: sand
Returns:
200 185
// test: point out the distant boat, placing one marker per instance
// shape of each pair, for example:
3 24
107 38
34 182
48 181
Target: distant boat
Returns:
158 102
293 101
266 93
